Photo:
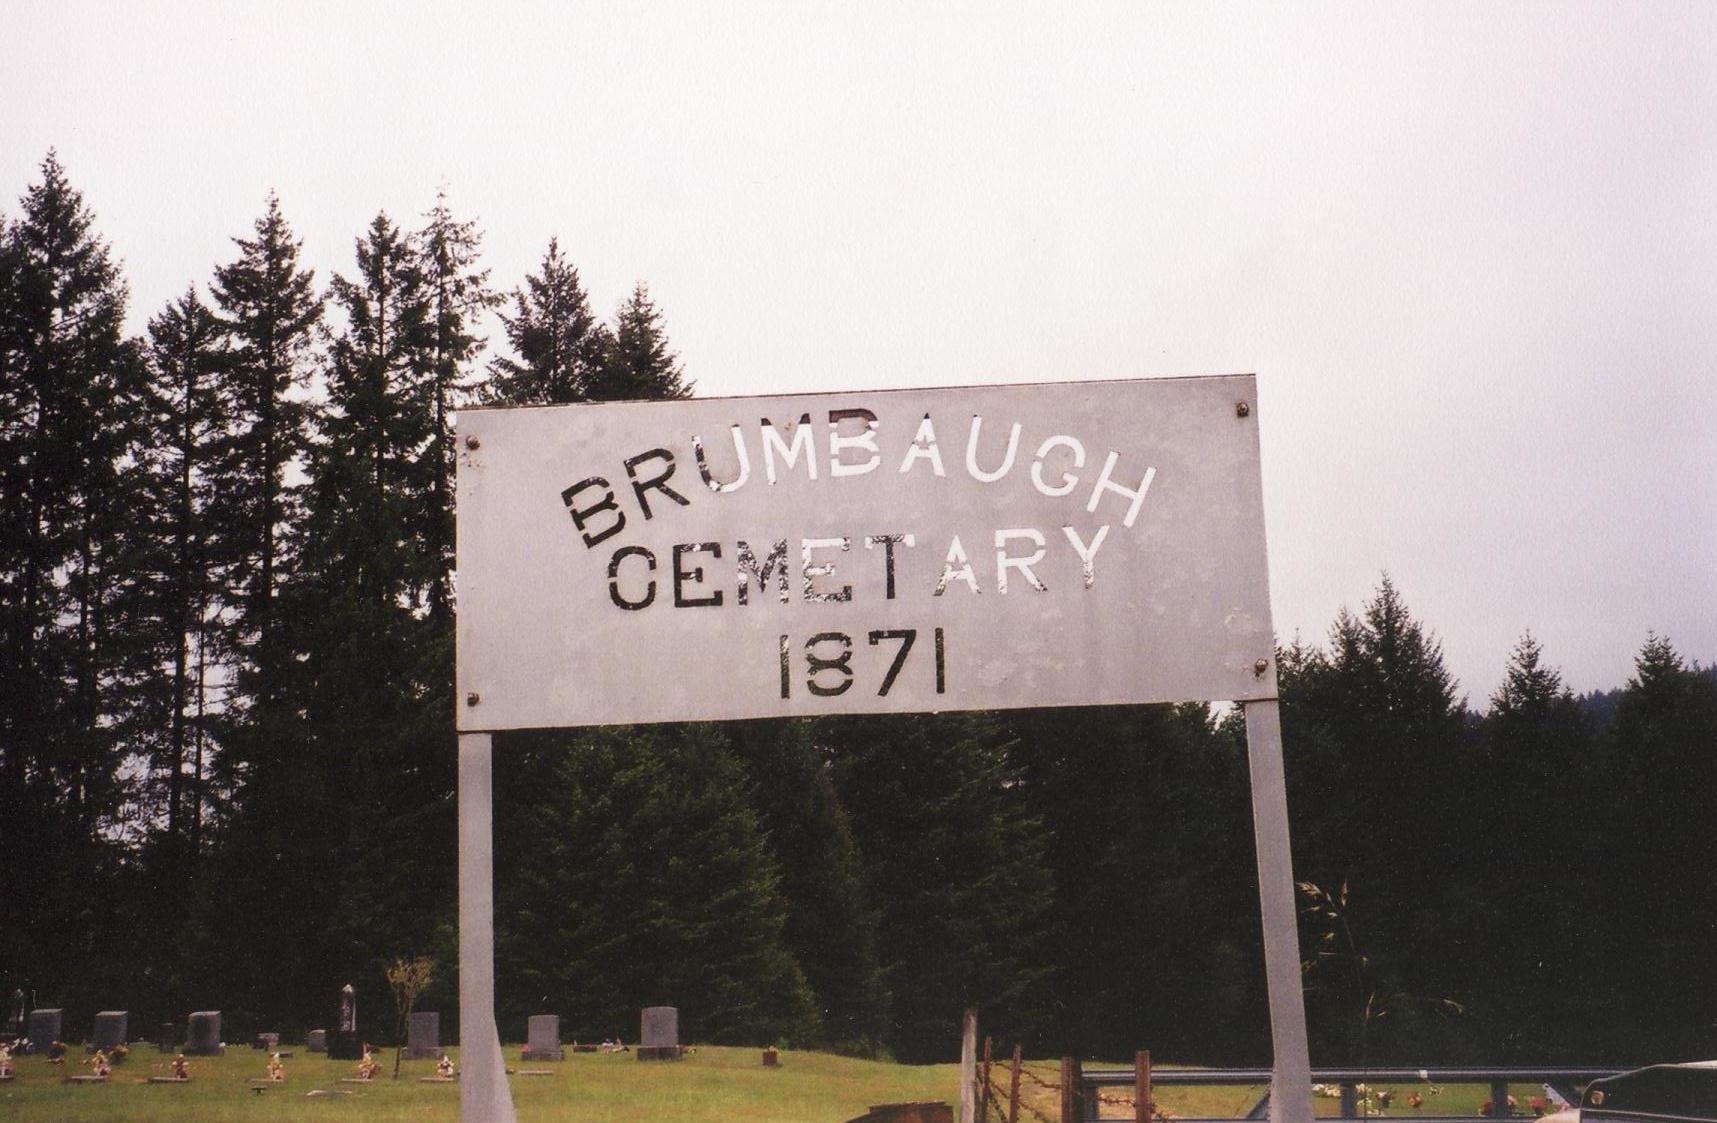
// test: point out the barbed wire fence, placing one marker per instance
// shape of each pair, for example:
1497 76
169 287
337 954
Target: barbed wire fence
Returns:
1004 1093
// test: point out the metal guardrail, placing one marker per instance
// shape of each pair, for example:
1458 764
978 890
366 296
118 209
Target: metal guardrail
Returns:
1565 1081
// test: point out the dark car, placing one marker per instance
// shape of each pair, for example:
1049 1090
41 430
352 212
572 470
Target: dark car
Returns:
1658 1094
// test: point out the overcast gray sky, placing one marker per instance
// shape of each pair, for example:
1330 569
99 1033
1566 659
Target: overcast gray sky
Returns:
1469 249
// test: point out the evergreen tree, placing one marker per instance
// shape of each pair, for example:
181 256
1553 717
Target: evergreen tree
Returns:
1536 971
270 308
168 681
958 864
559 346
379 424
1149 839
638 875
831 928
637 364
160 628
378 768
265 766
457 292
1660 846
1379 774
66 371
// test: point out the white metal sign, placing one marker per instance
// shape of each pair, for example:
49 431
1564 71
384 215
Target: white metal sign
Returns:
893 551
903 551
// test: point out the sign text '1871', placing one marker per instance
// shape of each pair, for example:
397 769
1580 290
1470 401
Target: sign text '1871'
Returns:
828 661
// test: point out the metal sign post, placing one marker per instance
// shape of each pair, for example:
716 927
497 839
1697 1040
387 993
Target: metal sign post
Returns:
912 551
483 1092
1291 1082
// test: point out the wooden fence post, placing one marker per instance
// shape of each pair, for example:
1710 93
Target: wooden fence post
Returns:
968 1066
1013 1088
1072 1099
984 1085
1142 1086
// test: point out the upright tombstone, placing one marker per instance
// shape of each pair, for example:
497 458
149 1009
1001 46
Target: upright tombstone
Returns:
344 1044
204 1034
316 1041
659 1034
269 1042
423 1035
45 1026
167 1039
110 1027
542 1038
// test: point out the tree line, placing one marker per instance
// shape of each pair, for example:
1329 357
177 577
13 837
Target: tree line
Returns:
226 755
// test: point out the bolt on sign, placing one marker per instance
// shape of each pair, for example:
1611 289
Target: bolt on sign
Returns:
876 552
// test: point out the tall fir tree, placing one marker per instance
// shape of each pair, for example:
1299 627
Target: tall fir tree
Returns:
1376 713
271 312
66 374
1537 744
1152 798
637 364
558 345
170 682
831 925
270 307
1660 846
162 625
958 863
640 875
458 294
377 697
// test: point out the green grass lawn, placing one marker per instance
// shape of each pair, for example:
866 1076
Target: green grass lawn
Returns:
712 1085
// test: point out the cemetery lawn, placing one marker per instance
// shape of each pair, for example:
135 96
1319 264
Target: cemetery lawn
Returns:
712 1085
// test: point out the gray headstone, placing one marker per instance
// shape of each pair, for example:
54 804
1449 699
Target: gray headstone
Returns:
659 1034
267 1041
661 1027
317 1041
168 1041
44 1028
110 1028
205 1034
542 1039
423 1034
348 1009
